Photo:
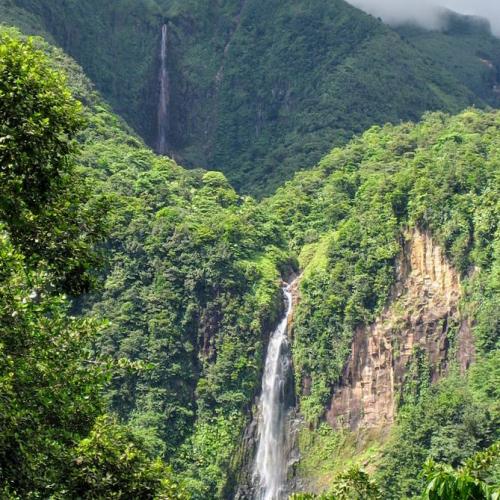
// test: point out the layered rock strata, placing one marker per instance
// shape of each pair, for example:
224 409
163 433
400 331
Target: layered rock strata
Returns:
421 318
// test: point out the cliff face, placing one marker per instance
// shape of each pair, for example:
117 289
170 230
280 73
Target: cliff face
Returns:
422 316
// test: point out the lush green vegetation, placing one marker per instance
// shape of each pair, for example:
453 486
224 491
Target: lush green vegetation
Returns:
189 288
448 423
347 218
136 296
353 484
51 435
192 286
476 479
260 89
466 48
38 120
326 453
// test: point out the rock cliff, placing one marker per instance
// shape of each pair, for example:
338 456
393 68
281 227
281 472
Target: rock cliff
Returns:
422 316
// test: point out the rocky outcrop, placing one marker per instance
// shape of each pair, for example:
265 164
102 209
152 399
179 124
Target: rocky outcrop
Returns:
422 317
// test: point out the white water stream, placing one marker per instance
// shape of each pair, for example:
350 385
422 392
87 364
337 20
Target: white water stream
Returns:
162 143
271 461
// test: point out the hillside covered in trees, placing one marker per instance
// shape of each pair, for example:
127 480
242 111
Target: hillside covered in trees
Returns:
260 89
138 298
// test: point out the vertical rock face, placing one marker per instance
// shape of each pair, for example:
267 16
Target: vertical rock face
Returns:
423 316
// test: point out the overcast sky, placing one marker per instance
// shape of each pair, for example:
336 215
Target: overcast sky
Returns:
424 13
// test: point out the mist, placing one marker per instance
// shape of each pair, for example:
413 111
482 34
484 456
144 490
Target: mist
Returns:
426 12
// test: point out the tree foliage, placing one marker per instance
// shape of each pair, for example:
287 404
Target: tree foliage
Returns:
349 217
352 484
191 288
261 89
111 463
51 384
42 201
469 482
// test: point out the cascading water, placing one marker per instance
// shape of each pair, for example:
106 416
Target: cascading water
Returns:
163 103
271 461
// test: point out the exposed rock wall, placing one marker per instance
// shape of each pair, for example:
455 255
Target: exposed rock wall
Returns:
422 313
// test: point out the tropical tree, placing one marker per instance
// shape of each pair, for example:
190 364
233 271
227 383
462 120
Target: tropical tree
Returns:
477 479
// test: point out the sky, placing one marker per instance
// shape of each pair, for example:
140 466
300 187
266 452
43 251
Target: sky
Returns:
424 11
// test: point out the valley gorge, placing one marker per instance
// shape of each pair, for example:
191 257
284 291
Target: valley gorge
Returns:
231 267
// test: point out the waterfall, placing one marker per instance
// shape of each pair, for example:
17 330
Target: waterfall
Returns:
271 461
163 103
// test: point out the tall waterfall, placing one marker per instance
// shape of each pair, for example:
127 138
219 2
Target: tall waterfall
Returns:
271 461
164 100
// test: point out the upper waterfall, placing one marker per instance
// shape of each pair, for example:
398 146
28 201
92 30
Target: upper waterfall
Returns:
164 99
271 461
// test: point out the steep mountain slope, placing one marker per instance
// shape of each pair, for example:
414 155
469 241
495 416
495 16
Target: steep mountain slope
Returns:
465 47
57 437
190 290
397 236
258 89
421 320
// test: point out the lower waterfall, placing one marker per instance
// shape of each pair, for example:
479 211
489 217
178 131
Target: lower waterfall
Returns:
271 461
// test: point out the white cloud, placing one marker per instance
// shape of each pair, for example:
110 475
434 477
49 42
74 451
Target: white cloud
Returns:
425 12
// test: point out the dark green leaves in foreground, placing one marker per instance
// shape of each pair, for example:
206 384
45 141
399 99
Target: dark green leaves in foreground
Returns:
111 463
42 200
49 389
52 438
477 479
